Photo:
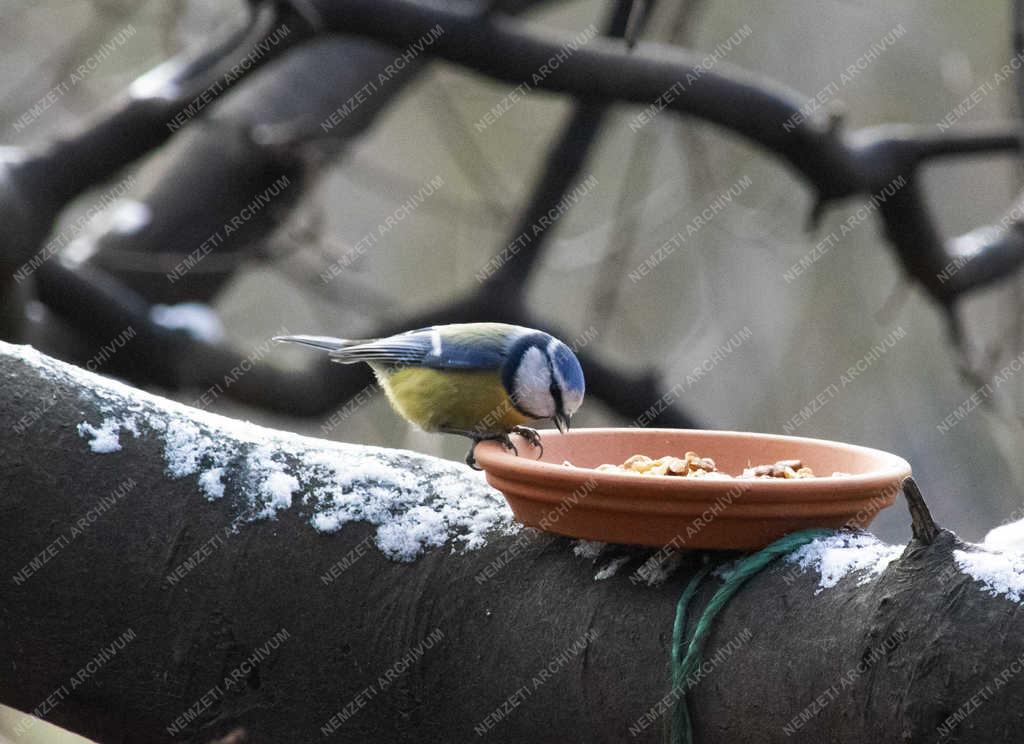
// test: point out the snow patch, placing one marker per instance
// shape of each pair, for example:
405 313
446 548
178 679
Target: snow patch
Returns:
416 502
656 571
105 438
842 554
185 446
1001 573
277 488
724 571
1006 537
589 549
611 568
211 483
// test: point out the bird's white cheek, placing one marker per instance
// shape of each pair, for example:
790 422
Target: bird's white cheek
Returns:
531 385
538 406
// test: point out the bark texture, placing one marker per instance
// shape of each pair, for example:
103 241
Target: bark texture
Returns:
433 650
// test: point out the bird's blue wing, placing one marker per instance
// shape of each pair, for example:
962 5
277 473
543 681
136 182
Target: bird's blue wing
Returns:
458 346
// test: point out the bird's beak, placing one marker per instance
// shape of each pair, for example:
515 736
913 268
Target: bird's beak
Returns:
562 422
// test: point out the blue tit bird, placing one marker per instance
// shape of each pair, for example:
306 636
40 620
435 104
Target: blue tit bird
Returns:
478 380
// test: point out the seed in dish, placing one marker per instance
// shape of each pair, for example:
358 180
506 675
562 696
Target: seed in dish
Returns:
692 465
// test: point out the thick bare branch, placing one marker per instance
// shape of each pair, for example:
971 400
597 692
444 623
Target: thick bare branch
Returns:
236 608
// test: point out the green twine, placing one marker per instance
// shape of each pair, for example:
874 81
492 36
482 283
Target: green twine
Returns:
684 666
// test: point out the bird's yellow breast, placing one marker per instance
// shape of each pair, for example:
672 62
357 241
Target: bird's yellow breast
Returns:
467 400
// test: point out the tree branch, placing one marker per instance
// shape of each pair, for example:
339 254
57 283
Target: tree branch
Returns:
561 170
143 118
191 593
835 164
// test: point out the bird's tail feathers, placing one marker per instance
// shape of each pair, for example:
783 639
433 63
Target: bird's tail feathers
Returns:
325 343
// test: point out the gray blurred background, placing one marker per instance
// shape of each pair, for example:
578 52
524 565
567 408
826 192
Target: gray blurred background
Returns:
804 334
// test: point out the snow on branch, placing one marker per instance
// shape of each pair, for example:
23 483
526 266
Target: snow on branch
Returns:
416 502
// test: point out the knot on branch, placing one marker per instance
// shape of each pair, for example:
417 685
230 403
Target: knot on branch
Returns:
921 522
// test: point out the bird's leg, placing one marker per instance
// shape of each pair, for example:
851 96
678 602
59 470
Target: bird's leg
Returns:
530 435
477 437
501 437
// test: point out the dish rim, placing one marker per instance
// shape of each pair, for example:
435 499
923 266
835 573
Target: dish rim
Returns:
493 457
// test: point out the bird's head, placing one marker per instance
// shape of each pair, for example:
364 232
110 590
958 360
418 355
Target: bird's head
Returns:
544 379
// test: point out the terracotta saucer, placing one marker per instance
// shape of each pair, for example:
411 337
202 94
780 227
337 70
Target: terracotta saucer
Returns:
578 501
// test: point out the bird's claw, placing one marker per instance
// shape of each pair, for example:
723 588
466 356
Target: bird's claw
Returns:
502 439
506 442
532 436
